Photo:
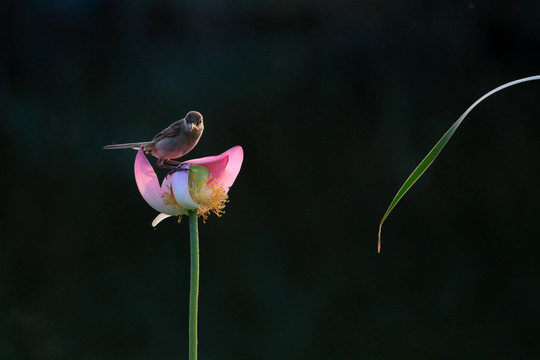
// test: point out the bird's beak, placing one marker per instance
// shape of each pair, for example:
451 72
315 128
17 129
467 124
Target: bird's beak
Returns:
191 127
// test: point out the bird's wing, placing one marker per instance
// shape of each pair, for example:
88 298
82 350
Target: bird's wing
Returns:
171 131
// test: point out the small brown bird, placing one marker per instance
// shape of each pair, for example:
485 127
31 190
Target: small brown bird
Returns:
175 141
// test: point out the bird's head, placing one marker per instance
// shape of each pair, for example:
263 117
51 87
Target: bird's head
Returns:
194 121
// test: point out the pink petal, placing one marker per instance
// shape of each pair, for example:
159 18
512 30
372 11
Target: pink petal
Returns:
236 157
216 164
148 185
225 167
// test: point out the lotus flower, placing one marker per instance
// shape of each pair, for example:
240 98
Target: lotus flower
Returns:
200 184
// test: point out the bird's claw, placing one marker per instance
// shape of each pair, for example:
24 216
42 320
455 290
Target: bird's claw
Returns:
179 167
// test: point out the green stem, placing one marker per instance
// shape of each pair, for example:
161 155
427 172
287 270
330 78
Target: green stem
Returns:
194 283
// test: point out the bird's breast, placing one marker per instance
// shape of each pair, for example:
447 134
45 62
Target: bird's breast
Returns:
175 147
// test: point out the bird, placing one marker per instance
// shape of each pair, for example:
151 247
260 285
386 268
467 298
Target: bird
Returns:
173 142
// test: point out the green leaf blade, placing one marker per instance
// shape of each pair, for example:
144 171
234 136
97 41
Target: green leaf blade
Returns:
434 152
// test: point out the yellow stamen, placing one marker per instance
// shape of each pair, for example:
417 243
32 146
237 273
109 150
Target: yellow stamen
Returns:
210 194
168 199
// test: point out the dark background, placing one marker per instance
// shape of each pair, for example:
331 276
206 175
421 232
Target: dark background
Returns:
335 103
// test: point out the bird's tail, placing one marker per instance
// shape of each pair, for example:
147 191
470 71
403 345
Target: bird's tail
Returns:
135 146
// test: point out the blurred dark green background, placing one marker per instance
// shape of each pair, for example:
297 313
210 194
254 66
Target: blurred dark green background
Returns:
334 102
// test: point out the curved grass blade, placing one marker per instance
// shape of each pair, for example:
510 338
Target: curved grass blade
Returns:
430 157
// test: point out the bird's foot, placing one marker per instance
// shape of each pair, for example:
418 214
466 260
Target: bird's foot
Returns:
179 167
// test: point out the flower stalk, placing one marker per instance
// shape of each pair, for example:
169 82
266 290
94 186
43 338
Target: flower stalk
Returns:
194 283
